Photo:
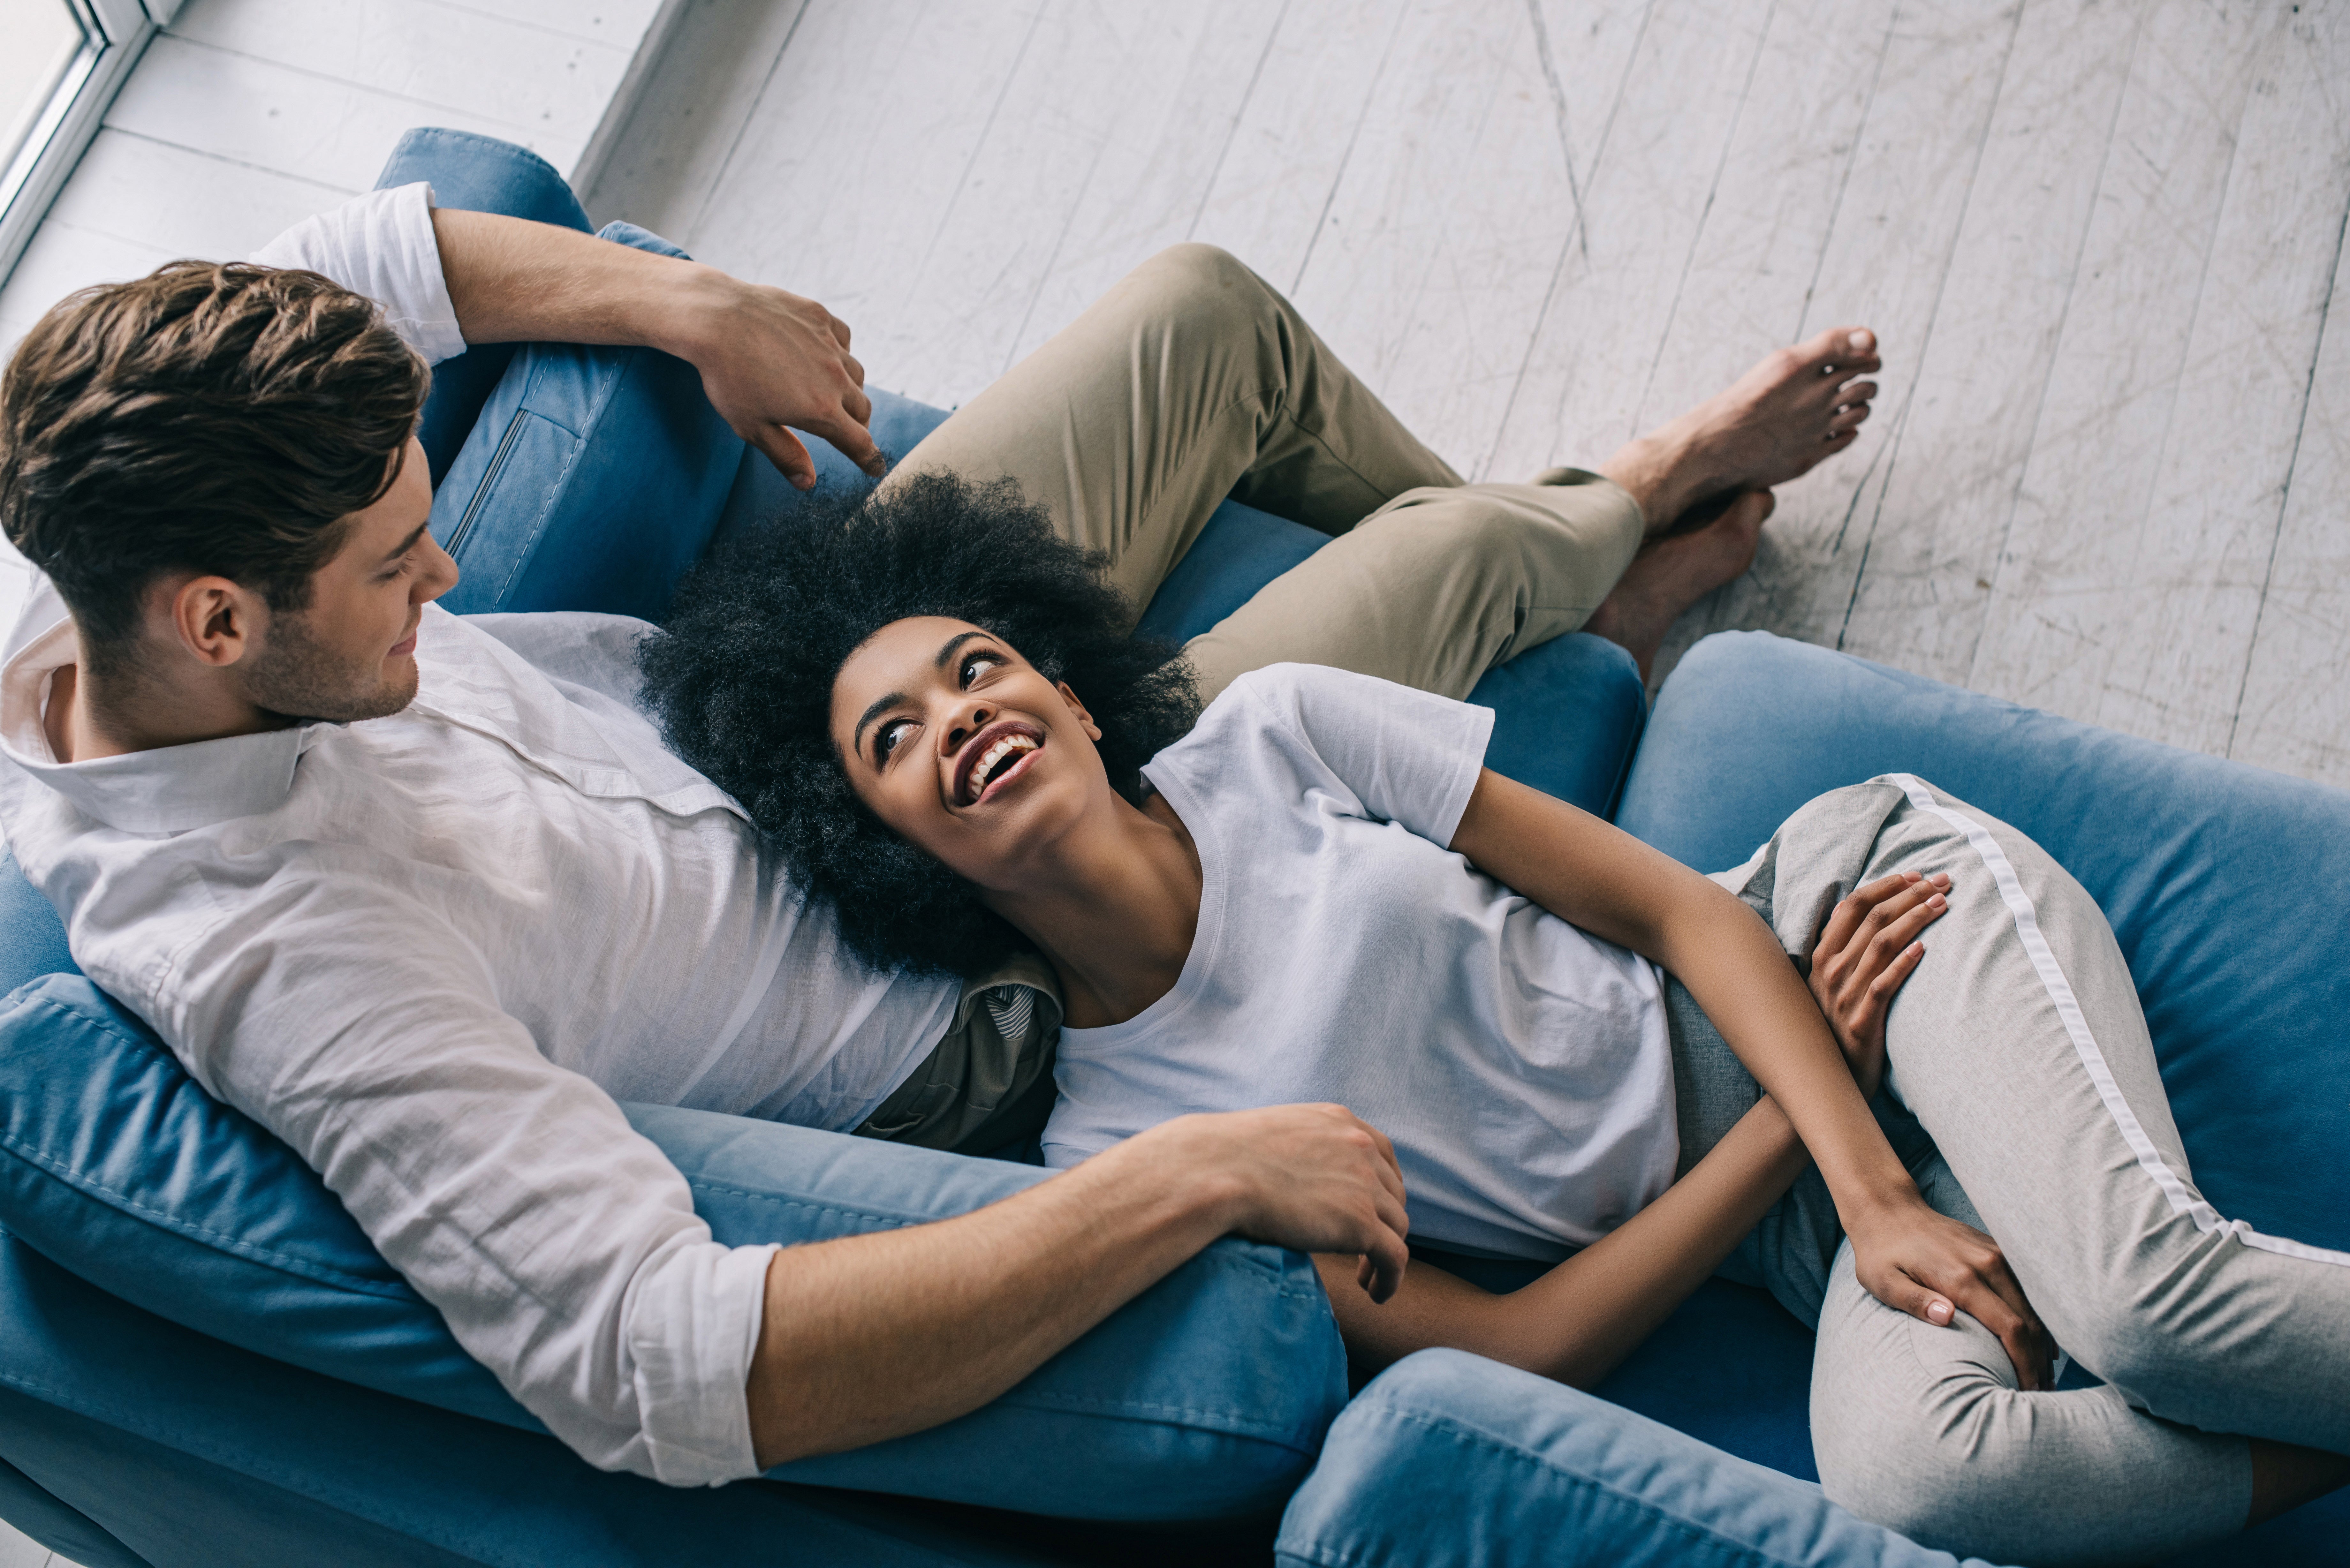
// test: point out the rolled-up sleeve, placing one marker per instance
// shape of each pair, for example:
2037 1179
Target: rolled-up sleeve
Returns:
561 1245
382 245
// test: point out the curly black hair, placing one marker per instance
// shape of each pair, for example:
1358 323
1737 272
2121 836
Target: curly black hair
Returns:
741 680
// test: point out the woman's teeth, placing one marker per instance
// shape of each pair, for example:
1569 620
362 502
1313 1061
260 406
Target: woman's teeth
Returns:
1010 746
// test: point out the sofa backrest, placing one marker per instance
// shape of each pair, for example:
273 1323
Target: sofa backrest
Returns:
2223 882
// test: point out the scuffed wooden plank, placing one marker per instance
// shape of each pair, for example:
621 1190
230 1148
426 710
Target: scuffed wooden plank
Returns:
1955 239
2294 712
1610 298
695 106
16 1549
1084 73
1320 83
441 55
1779 186
1428 283
619 23
289 121
1157 162
1785 176
1929 531
2130 583
863 134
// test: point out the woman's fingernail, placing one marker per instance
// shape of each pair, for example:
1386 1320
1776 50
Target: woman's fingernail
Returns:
1937 902
1938 1311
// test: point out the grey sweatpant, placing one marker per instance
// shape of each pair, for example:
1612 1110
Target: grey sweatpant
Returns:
2019 1048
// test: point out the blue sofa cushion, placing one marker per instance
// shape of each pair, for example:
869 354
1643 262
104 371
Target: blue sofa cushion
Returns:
474 173
2220 880
1449 1461
178 1450
1207 1394
591 481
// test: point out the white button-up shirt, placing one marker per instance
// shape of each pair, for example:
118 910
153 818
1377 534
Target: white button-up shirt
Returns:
430 951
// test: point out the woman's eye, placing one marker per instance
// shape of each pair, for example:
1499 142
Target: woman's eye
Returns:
887 741
977 662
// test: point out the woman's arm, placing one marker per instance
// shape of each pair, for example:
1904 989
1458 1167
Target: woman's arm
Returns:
1576 1321
1612 885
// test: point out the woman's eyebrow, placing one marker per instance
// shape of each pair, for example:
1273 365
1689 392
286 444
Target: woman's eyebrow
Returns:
957 640
856 737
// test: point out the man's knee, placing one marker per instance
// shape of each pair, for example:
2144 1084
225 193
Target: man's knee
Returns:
1206 269
1206 284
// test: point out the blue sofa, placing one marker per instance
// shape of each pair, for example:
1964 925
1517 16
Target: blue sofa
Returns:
202 1361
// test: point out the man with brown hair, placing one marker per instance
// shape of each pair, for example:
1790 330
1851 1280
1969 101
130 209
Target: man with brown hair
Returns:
422 893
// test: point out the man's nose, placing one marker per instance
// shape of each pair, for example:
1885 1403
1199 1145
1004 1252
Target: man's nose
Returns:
440 574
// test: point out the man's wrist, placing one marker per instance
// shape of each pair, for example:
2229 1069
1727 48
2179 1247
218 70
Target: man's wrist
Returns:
1179 1162
688 316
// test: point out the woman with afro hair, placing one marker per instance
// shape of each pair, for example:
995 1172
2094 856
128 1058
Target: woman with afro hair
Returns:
1583 1052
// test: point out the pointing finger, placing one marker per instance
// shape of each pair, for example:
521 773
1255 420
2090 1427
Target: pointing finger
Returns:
784 451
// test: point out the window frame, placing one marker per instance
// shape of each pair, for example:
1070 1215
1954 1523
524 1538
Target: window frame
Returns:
38 171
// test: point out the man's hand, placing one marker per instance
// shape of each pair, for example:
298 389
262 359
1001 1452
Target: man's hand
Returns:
1930 1266
1865 948
1316 1179
771 360
768 359
871 1336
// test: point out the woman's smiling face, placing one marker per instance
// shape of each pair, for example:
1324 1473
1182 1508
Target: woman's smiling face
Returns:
963 747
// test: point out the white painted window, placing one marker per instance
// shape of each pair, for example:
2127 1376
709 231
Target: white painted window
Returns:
60 62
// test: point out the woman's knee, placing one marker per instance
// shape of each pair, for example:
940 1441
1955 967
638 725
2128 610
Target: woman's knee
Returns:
1934 1472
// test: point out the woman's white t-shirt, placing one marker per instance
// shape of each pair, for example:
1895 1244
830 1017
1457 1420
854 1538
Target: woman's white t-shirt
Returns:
1344 953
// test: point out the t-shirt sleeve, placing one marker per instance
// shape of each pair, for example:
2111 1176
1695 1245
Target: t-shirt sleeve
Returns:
560 1244
1406 755
382 245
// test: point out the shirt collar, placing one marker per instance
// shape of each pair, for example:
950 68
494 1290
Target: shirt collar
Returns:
170 789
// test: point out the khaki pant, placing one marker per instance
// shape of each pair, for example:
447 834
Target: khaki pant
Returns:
1191 381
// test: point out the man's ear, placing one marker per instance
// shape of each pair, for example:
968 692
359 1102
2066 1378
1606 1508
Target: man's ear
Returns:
217 622
1077 708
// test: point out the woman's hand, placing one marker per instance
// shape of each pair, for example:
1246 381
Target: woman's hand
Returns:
1930 1266
1865 948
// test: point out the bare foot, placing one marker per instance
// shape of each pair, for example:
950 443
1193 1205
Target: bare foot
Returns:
1796 407
1673 572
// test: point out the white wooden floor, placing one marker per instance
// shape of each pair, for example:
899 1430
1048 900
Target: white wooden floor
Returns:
2111 474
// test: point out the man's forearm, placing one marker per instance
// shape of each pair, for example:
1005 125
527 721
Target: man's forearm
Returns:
513 281
871 1336
770 360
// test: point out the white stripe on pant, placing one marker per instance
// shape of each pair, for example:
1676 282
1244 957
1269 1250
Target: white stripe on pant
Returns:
2020 1046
